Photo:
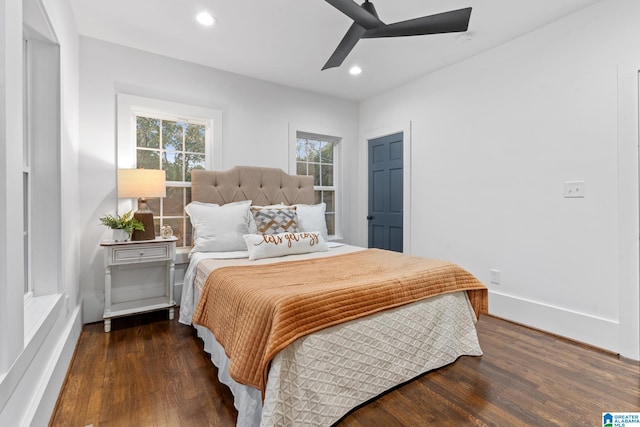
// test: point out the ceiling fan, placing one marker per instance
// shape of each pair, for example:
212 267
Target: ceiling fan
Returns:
367 25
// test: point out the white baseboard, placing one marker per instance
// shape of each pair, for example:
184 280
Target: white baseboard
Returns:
595 331
57 372
34 397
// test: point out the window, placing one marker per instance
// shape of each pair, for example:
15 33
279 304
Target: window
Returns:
26 150
173 137
316 156
31 181
41 169
177 147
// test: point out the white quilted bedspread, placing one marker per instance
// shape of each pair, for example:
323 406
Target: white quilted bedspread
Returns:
319 378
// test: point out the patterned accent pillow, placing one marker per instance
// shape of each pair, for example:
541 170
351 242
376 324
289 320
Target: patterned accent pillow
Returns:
276 220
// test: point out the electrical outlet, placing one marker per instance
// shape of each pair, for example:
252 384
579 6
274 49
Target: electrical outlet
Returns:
494 276
574 189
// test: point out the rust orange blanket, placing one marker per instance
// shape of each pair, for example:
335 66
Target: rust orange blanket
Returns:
256 311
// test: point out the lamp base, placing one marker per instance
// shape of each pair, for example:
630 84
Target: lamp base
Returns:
149 232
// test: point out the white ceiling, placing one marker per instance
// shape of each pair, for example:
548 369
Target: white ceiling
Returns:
288 41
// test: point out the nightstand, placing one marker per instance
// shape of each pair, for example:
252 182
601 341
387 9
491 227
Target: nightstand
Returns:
138 277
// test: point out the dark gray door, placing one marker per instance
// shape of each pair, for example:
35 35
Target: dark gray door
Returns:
385 192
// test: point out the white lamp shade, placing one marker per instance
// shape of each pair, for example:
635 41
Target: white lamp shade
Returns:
142 183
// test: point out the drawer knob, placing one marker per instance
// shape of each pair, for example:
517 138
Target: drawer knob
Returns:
141 253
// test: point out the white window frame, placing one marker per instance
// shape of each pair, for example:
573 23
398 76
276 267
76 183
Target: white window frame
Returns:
26 168
131 106
324 134
41 165
27 325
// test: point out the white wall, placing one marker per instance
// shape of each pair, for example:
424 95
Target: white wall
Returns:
493 140
256 117
31 378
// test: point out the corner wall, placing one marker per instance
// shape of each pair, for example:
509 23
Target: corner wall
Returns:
493 140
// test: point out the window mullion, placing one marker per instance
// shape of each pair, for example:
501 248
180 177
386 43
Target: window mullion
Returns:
183 184
26 168
184 155
184 214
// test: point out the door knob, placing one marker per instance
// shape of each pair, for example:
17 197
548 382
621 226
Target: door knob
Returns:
369 217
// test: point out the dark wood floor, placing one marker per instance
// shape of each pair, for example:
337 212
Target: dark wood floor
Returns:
152 372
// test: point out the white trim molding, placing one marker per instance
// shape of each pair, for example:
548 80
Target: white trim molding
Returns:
580 327
628 211
338 137
129 105
29 392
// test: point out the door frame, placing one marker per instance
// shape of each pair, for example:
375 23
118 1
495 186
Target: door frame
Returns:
363 183
628 121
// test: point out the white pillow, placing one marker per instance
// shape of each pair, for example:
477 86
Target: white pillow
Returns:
219 228
311 218
275 245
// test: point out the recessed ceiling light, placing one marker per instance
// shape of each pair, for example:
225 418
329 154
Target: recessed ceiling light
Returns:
355 70
205 18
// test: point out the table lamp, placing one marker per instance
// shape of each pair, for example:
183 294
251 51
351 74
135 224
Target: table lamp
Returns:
143 184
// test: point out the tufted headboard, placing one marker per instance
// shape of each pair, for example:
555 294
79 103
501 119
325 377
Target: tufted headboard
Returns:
263 186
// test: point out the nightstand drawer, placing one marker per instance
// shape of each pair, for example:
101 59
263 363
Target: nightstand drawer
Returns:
143 253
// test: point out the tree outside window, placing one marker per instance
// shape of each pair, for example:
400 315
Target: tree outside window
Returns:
177 147
315 156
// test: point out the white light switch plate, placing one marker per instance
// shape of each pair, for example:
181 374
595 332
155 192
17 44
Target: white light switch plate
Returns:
574 189
494 276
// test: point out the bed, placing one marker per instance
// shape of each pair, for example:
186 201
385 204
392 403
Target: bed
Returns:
360 322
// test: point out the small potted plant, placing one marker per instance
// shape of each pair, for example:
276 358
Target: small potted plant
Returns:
122 226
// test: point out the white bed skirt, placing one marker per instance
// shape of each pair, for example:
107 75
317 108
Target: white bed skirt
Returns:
319 378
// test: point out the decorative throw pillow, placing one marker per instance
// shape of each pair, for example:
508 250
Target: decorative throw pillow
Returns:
312 218
276 245
275 220
219 228
252 222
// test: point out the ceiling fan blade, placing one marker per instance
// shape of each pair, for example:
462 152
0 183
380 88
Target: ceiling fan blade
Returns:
365 16
346 45
447 22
